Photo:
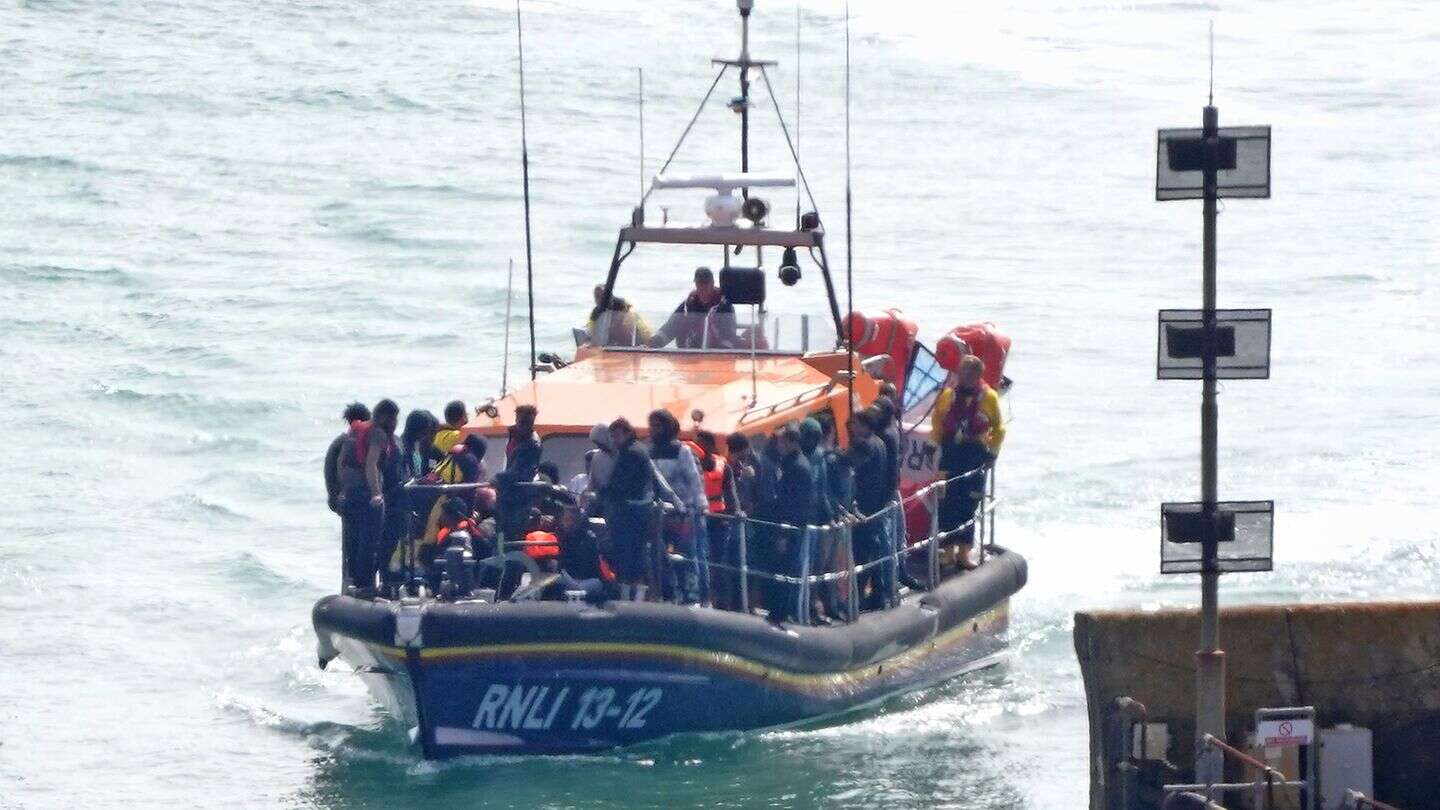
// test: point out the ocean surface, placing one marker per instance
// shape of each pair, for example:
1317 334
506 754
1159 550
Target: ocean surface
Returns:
222 220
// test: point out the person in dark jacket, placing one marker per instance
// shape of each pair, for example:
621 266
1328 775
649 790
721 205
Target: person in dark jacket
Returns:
522 463
866 457
371 465
354 412
794 506
704 320
627 500
888 430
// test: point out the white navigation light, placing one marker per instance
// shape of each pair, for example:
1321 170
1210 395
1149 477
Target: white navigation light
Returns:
723 207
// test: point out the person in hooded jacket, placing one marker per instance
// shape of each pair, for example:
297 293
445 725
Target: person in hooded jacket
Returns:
794 507
676 465
866 458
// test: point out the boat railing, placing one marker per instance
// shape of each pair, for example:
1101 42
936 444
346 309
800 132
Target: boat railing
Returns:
833 546
827 560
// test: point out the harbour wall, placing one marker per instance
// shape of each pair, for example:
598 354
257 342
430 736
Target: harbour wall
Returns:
1375 665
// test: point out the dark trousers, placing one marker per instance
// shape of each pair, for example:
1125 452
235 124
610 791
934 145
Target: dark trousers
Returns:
872 542
783 555
724 551
962 497
362 537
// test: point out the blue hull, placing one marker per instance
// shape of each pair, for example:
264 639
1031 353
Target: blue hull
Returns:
556 677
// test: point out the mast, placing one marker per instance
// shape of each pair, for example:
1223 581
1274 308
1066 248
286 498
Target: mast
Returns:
745 7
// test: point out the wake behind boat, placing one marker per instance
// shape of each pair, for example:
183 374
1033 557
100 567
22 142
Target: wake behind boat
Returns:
818 536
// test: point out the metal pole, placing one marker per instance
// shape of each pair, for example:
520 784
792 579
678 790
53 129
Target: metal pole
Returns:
853 608
525 179
744 570
1210 660
933 553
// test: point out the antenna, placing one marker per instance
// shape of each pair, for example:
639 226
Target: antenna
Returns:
640 72
797 108
1212 63
525 179
509 299
849 240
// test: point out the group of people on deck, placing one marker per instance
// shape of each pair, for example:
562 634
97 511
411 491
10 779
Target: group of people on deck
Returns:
602 534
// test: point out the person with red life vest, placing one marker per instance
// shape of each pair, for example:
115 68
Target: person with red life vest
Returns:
374 455
968 427
722 498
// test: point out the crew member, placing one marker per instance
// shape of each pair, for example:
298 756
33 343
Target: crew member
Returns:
448 434
704 320
616 325
969 429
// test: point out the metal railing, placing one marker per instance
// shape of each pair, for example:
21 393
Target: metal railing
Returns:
839 535
1262 788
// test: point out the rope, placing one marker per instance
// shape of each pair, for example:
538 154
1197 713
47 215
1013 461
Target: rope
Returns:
688 126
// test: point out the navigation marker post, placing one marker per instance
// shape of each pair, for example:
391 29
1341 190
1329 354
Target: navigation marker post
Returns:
1211 344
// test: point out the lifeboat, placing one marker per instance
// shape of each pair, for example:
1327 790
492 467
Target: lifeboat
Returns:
508 653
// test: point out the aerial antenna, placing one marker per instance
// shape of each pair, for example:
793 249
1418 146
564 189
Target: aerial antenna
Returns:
640 72
525 179
509 299
1212 63
849 240
797 109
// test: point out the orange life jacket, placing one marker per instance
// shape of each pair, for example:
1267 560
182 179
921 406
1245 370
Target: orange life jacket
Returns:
542 545
715 485
466 525
362 442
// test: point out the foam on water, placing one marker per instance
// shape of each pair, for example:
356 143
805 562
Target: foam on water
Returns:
222 221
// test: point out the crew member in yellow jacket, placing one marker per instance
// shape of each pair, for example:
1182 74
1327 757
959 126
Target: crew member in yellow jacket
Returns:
969 429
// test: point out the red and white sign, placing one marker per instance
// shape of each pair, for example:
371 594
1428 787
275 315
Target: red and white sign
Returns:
1273 733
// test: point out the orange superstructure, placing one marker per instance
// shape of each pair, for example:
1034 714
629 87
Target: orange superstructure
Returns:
735 392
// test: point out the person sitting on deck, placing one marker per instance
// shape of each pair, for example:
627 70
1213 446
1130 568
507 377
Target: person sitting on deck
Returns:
616 325
704 320
969 429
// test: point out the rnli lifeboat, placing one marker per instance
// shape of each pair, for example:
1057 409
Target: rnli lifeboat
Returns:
506 669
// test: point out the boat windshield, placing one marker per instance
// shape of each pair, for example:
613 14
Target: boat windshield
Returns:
744 330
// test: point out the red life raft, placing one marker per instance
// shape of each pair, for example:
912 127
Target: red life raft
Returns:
979 339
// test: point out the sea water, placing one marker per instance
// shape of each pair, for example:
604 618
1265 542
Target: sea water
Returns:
221 221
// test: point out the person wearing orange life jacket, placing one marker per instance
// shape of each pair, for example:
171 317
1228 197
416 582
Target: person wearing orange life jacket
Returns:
969 428
722 498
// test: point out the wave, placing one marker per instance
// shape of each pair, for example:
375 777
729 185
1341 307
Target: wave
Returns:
212 409
57 274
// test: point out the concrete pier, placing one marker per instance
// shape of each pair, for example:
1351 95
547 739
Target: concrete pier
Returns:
1375 665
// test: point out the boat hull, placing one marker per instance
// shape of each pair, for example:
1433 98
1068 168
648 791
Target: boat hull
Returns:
558 677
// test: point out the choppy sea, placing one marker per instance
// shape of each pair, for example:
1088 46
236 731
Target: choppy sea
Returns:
220 221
